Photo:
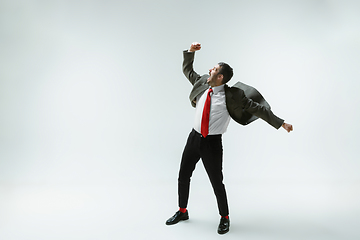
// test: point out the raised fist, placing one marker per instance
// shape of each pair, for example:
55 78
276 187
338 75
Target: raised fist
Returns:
195 46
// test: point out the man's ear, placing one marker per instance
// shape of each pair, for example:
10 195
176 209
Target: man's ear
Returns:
220 77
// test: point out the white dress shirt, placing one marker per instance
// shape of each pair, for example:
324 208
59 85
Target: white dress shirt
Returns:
219 115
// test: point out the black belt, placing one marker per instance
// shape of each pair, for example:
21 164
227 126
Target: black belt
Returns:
208 136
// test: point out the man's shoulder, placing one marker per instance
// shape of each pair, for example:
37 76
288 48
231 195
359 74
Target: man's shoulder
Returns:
235 90
238 85
249 92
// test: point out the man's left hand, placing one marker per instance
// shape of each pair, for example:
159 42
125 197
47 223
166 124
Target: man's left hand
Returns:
288 127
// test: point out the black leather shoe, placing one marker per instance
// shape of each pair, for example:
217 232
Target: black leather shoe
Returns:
223 226
178 216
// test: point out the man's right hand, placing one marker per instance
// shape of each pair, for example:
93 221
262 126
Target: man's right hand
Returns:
195 46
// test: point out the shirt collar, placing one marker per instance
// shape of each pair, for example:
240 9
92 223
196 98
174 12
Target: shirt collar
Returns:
218 89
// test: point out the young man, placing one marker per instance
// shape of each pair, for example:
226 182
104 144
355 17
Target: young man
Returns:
215 104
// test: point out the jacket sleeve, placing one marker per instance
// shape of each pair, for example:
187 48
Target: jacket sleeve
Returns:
187 67
262 112
258 110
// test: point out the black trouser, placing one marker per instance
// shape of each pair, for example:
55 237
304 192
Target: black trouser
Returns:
210 150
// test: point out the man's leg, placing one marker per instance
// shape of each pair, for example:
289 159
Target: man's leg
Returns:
212 157
189 159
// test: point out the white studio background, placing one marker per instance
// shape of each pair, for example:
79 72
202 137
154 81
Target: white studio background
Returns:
94 115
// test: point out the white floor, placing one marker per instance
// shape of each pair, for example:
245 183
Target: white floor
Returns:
139 211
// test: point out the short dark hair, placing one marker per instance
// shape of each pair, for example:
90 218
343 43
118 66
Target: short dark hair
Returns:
226 71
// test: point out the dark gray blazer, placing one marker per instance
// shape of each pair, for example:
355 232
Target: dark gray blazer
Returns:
244 103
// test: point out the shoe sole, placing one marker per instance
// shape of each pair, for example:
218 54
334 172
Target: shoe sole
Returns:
223 232
172 223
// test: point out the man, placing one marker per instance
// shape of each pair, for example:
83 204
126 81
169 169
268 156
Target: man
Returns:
215 104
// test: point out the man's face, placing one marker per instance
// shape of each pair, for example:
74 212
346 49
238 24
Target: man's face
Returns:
215 78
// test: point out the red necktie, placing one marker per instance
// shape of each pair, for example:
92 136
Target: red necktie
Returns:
206 115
